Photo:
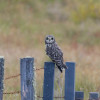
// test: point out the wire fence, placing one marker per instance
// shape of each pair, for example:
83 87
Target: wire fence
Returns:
15 92
38 96
15 76
19 92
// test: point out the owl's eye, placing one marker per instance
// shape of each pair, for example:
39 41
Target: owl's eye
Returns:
51 38
47 38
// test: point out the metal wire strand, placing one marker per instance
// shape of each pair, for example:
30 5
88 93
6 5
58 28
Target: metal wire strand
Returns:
12 76
38 69
15 92
20 74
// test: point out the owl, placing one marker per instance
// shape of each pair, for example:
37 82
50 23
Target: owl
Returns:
54 52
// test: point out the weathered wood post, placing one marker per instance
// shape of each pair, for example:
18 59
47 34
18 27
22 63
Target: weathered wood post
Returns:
48 89
79 95
27 71
93 96
1 77
70 81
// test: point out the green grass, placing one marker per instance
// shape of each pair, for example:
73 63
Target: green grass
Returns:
22 17
76 27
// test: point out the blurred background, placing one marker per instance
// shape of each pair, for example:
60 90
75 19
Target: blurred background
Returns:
76 27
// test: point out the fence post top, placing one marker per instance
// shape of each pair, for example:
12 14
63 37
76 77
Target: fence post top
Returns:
1 57
28 57
93 93
49 62
79 95
70 62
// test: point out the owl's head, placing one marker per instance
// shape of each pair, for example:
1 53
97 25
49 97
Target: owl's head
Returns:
49 39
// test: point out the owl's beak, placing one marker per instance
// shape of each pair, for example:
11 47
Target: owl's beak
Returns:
49 45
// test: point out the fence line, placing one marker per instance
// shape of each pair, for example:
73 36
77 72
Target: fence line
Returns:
13 76
17 75
15 92
27 91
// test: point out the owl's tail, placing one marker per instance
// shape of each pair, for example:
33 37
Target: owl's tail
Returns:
59 68
64 66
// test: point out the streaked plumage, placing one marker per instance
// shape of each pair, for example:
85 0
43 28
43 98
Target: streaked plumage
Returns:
54 52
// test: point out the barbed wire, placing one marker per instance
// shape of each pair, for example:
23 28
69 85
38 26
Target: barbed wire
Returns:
38 69
20 74
15 92
12 76
39 96
19 92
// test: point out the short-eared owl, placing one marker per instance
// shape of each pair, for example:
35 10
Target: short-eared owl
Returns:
54 52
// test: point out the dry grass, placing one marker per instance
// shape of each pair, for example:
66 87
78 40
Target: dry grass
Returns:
87 68
23 26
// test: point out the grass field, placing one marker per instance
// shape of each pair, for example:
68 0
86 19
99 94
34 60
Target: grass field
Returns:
76 27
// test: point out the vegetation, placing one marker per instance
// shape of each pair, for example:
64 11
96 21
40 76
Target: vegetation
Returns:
74 23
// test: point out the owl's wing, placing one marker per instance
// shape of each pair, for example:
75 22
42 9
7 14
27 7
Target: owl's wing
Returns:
58 51
57 55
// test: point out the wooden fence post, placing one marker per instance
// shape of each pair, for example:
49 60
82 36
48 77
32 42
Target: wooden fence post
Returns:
70 81
1 77
48 89
93 96
27 79
79 95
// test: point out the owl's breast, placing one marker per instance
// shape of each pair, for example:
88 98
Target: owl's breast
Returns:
50 49
49 45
